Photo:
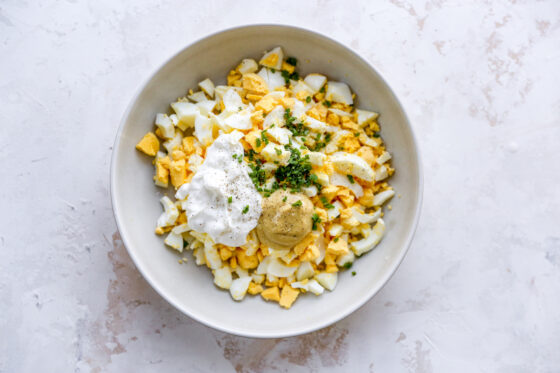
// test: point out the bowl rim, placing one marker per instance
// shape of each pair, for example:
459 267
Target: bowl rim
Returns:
238 331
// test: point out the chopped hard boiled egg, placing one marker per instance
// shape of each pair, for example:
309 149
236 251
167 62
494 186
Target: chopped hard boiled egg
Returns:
273 59
352 164
280 182
339 92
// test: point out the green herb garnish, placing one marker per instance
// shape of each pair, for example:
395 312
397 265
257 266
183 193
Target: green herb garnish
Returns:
336 239
297 128
327 103
278 151
257 174
347 265
258 143
245 209
308 99
351 179
326 203
297 173
357 134
376 134
286 76
353 273
229 199
284 199
297 203
322 90
264 138
291 61
315 219
251 154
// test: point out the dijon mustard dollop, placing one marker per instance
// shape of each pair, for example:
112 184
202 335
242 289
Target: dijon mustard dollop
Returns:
285 219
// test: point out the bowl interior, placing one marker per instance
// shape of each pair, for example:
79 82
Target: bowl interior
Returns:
135 198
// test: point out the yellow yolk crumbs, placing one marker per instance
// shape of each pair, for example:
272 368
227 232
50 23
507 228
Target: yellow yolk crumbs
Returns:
254 289
366 153
318 112
346 197
149 144
251 139
234 79
340 247
367 198
253 97
289 68
333 119
177 155
287 102
330 191
288 296
349 124
272 294
161 177
271 60
266 104
330 263
188 145
178 172
302 95
254 84
351 143
304 244
257 118
310 254
246 262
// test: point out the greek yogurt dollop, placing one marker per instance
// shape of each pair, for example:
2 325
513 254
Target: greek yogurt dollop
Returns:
221 199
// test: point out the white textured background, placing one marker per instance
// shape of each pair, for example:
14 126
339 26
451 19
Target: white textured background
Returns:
480 287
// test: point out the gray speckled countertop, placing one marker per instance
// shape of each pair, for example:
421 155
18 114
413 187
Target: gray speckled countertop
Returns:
479 289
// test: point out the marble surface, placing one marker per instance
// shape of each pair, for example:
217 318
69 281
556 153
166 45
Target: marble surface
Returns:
478 291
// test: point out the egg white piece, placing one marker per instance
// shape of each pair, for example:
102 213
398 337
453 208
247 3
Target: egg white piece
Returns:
365 117
339 92
186 113
272 79
342 180
207 86
248 66
279 54
304 271
315 82
351 164
327 280
382 197
275 117
281 135
239 287
198 97
171 144
174 241
312 286
367 244
170 213
165 125
223 278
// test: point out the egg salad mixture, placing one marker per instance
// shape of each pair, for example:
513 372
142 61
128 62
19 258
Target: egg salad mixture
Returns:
279 180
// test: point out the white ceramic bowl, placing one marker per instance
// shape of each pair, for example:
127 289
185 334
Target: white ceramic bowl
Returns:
135 198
